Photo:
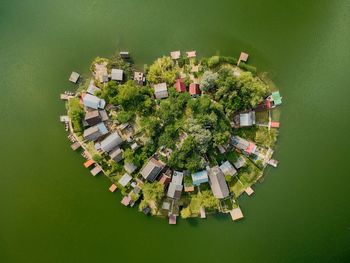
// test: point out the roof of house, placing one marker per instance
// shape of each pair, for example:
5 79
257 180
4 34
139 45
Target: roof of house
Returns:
166 205
116 154
161 90
125 179
200 177
177 177
227 168
93 102
236 214
74 77
247 119
277 99
165 179
194 89
174 190
110 142
94 132
130 167
180 85
104 115
117 74
175 54
138 76
92 88
92 114
244 145
151 170
218 183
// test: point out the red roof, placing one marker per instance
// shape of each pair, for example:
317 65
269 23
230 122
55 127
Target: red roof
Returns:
194 89
89 163
180 85
274 124
250 147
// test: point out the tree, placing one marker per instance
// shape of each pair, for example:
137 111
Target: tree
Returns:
153 191
130 97
221 138
208 81
162 70
186 212
128 155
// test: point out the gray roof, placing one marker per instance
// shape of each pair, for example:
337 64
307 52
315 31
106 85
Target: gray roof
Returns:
117 74
130 167
152 169
227 168
116 155
93 102
161 91
217 183
74 77
240 162
240 143
104 115
113 140
92 117
174 190
247 119
92 88
95 132
125 179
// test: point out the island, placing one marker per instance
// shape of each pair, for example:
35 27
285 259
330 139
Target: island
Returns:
181 137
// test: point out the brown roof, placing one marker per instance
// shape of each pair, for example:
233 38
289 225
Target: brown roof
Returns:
180 85
112 188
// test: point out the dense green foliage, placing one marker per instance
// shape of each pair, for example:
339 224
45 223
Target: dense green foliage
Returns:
76 114
162 70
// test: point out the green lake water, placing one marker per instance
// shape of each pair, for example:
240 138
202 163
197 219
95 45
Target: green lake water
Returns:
53 210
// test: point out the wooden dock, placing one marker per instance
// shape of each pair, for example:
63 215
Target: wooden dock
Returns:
202 211
249 191
96 170
273 163
236 214
112 188
75 146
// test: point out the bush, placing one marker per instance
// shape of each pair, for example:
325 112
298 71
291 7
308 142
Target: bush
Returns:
247 67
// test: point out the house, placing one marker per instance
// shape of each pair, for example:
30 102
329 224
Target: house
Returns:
117 74
92 117
217 183
243 145
247 119
74 77
200 177
161 91
93 102
134 146
194 89
166 206
92 88
139 78
116 155
177 177
191 54
110 142
125 179
228 169
240 162
175 55
180 85
95 132
129 168
124 54
152 169
276 99
174 190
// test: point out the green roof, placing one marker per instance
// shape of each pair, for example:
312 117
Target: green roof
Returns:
277 99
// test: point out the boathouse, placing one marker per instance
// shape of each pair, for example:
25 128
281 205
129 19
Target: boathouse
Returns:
175 55
74 77
191 54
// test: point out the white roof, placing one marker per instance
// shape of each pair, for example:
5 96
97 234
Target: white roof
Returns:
161 90
117 74
228 169
175 54
177 177
125 179
247 119
93 102
74 77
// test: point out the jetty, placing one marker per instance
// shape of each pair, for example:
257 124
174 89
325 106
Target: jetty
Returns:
172 219
75 146
112 188
175 55
88 163
96 170
191 54
273 163
202 212
64 118
236 214
74 77
249 191
242 57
